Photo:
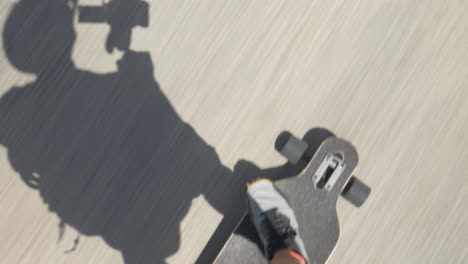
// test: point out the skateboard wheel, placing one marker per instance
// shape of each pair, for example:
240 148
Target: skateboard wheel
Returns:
356 192
294 149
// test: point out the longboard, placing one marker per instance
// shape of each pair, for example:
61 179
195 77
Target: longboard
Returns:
313 195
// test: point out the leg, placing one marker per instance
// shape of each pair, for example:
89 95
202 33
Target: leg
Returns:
287 256
275 223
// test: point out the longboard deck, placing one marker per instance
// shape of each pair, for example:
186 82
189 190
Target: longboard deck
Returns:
315 209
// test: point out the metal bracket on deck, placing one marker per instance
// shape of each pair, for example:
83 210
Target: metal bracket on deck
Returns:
329 171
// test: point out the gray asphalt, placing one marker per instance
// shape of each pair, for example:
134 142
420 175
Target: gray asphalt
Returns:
135 156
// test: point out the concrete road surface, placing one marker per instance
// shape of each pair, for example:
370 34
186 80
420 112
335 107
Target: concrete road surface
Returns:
128 132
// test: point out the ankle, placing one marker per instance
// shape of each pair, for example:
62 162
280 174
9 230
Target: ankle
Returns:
287 256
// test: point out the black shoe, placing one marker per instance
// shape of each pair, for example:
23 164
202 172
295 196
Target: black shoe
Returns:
274 219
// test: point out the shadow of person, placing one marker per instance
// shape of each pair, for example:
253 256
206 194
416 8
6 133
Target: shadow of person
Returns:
108 153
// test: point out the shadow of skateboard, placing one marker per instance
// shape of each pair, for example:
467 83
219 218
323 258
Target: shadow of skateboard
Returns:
312 194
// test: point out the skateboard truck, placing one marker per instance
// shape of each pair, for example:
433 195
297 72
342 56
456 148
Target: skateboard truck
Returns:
328 173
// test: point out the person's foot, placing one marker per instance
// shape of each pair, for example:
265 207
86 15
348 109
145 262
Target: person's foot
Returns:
274 219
